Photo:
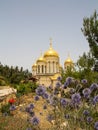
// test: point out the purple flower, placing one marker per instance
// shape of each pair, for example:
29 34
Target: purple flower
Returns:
66 85
84 81
86 92
53 100
59 78
29 108
89 119
36 98
76 98
34 120
93 86
86 112
63 102
12 107
31 105
95 100
58 84
56 91
72 91
40 90
96 125
45 95
69 80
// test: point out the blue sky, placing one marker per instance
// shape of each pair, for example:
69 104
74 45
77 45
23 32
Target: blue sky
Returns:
27 25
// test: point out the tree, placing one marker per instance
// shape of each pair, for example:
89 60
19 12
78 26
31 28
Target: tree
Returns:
85 64
90 31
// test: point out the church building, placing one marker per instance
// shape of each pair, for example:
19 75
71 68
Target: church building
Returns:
47 67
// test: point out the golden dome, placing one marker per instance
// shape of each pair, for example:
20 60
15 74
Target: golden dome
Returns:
41 59
51 52
60 66
68 60
34 65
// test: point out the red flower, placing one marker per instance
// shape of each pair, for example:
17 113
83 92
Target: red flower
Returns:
11 101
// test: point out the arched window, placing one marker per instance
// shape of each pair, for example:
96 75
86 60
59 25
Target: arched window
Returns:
53 67
42 69
49 66
38 68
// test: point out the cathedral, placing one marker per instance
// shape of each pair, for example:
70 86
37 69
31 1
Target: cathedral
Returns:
47 67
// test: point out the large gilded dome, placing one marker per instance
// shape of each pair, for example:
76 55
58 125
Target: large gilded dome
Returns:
51 52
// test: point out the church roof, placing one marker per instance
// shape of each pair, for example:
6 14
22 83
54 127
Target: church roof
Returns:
51 52
41 59
68 60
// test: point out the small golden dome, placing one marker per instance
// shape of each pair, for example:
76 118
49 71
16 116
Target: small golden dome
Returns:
34 65
51 52
41 59
60 66
68 60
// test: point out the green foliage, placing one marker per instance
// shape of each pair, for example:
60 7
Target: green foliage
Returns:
5 108
24 88
13 75
90 31
83 70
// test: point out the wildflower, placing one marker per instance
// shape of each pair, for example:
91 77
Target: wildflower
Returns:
96 125
89 119
76 98
5 114
54 100
11 101
63 102
45 95
93 86
84 81
69 80
12 108
56 91
86 92
40 90
72 91
31 105
36 98
34 120
95 100
29 108
59 78
66 85
86 112
58 84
